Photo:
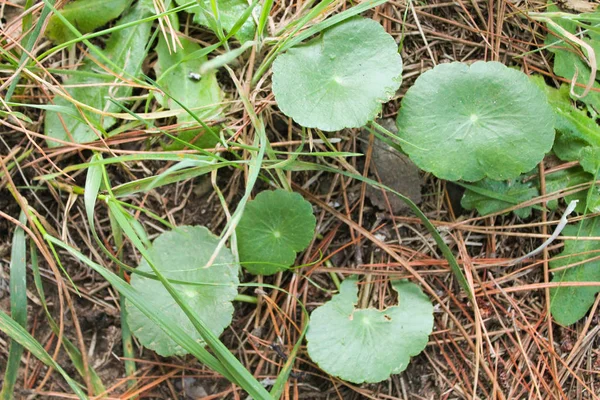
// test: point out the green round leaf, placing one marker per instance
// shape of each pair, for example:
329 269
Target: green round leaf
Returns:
274 227
469 122
369 345
339 79
182 255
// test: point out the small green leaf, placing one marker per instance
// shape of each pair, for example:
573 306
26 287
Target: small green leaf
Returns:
368 345
471 122
127 49
178 74
182 255
339 79
200 94
18 306
590 160
274 227
570 304
488 196
86 16
229 12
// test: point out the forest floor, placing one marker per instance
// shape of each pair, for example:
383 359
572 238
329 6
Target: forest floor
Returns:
503 345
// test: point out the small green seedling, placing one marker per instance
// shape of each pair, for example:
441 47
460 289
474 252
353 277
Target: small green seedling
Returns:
489 196
178 74
368 345
182 255
475 121
274 227
570 303
229 13
339 79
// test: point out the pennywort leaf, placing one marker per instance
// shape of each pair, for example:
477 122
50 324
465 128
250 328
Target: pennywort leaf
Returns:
475 121
182 255
339 79
368 345
274 227
199 93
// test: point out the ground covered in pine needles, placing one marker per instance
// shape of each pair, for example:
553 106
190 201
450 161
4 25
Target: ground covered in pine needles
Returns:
503 345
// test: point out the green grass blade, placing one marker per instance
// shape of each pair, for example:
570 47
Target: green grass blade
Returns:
264 16
224 58
145 184
18 306
71 349
462 280
242 20
18 333
93 182
128 350
158 317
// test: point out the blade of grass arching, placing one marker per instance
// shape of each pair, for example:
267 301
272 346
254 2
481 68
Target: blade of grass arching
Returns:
93 183
27 22
241 20
30 41
18 306
240 374
225 58
337 18
18 333
128 351
264 16
122 159
145 184
217 20
71 349
462 280
254 166
158 317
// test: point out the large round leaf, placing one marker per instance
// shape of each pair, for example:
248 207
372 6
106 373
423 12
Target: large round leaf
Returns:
368 345
339 79
274 226
182 255
469 122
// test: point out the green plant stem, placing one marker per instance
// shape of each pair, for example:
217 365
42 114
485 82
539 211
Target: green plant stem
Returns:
244 298
18 306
